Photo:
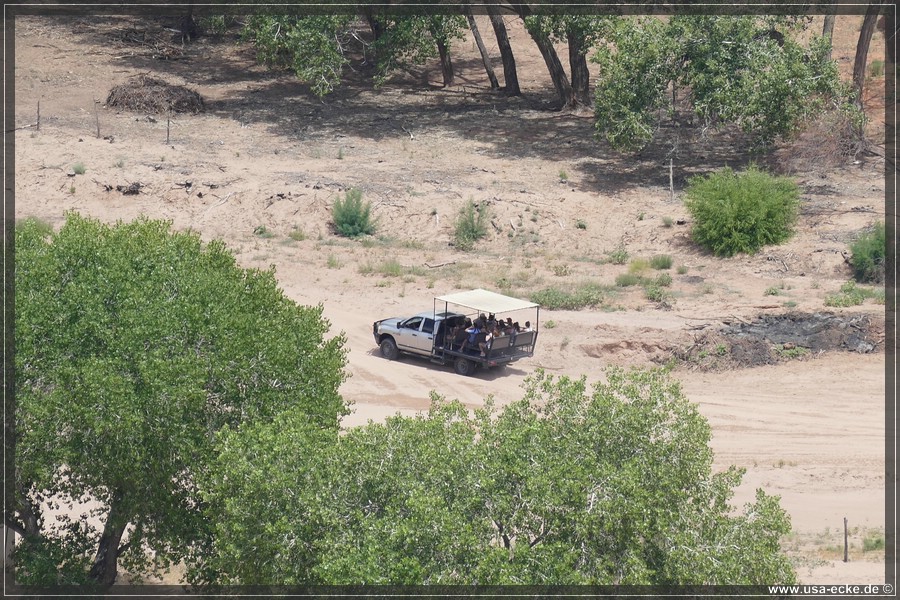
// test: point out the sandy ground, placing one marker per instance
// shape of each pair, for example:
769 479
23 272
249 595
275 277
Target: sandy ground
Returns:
267 154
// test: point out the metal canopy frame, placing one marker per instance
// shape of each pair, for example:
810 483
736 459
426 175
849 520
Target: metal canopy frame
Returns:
481 300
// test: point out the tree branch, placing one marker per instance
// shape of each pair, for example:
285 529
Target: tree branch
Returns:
12 524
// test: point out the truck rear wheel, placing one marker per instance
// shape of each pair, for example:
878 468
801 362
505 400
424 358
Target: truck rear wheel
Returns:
463 366
389 349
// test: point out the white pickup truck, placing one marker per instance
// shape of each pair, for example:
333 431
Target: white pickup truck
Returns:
426 333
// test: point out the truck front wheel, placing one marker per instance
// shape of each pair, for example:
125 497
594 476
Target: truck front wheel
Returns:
463 366
389 349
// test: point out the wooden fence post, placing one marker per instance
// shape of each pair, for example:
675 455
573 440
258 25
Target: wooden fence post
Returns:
845 540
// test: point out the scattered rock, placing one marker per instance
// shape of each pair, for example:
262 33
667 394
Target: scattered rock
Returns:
131 189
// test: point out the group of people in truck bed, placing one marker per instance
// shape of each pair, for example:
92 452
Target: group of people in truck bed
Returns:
478 335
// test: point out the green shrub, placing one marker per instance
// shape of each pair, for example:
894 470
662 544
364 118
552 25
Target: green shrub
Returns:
352 217
471 226
741 212
581 224
263 232
663 280
43 228
627 279
638 266
661 261
871 544
868 256
297 235
79 169
876 69
619 256
391 268
654 293
586 295
682 269
215 24
853 295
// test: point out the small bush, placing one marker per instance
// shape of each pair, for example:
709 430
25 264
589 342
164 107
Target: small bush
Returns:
561 270
741 212
876 69
661 261
638 266
586 295
853 295
619 256
654 293
471 226
868 256
391 268
79 168
791 351
581 224
627 279
871 544
43 228
297 235
772 291
352 217
668 221
215 24
682 269
663 280
263 232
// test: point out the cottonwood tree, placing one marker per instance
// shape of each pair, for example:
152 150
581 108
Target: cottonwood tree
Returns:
569 485
134 346
510 73
743 70
861 58
317 47
406 40
580 33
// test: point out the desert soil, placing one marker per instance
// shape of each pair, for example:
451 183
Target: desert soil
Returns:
266 154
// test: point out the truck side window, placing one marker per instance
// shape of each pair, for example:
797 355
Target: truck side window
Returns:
428 327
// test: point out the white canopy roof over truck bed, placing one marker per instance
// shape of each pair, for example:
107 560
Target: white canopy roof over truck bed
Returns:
486 301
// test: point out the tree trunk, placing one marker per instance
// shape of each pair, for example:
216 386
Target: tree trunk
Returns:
581 77
862 51
485 57
890 40
510 76
557 73
828 31
189 30
104 569
446 64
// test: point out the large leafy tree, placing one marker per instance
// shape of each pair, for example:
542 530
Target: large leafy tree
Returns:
134 345
612 485
580 33
318 47
743 70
